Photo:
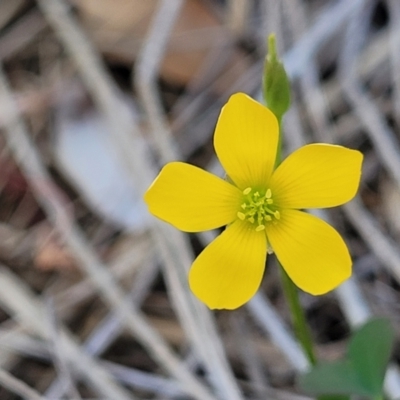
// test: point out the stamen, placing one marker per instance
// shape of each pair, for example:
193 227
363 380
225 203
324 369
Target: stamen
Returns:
241 215
247 191
258 208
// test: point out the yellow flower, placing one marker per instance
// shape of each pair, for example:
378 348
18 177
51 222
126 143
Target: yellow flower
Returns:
260 208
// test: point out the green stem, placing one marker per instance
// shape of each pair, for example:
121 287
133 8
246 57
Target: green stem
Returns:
291 292
279 148
292 297
298 317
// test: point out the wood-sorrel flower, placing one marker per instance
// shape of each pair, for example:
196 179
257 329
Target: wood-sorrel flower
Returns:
260 208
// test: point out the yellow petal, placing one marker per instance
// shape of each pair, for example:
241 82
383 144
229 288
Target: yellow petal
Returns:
317 175
192 199
313 253
245 140
229 270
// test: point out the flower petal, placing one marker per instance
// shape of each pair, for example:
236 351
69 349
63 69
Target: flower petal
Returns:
317 175
313 254
229 270
246 140
192 199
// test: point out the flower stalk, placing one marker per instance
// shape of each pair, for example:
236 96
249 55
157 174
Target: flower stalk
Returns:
280 103
298 316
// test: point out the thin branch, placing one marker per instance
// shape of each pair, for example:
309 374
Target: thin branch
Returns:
146 75
329 22
59 356
368 228
111 326
172 245
271 323
24 306
18 387
248 352
16 341
378 130
26 155
238 14
313 97
394 44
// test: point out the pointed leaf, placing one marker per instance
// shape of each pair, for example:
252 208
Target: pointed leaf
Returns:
337 378
369 352
334 397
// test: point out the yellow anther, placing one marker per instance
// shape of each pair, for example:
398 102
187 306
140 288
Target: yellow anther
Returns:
247 191
258 209
241 215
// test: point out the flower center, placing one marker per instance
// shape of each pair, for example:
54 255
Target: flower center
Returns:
258 208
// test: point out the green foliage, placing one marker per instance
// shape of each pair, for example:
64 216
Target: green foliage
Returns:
370 351
333 397
276 85
362 371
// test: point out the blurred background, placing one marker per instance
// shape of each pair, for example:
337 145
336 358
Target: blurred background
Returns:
97 95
